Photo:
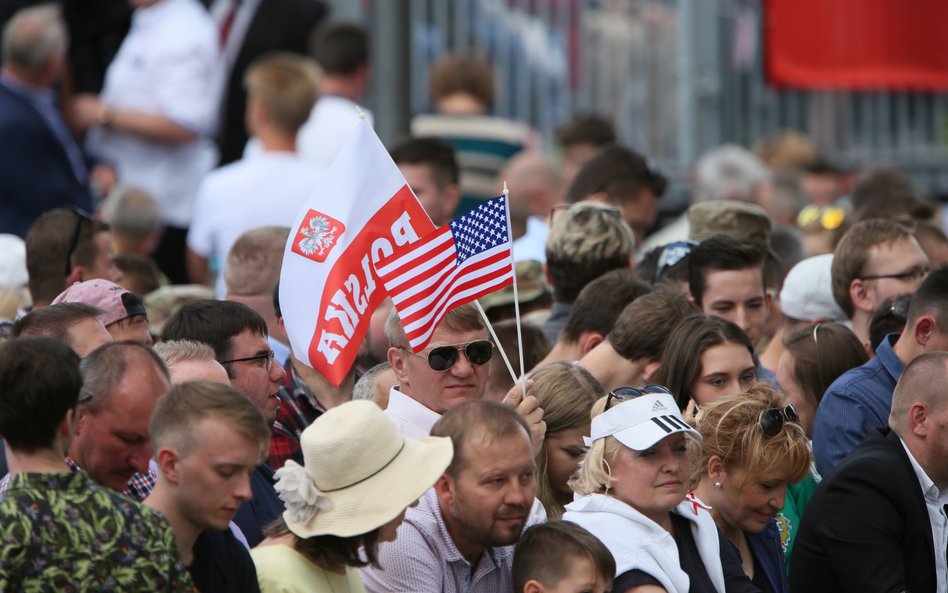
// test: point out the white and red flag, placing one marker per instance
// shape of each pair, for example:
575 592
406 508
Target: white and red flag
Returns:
361 212
457 263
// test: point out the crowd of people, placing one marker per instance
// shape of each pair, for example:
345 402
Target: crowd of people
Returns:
748 397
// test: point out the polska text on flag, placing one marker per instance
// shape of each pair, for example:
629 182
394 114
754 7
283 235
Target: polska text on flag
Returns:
360 213
459 262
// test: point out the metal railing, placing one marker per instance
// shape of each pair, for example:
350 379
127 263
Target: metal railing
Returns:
677 77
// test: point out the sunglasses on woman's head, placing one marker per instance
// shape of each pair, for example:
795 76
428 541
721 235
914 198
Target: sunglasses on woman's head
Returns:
771 420
624 394
442 358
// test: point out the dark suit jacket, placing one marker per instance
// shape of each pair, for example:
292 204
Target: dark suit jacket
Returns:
35 173
278 25
866 528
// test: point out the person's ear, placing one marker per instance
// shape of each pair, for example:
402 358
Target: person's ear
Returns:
445 490
533 586
589 340
917 417
169 465
924 329
859 295
396 358
715 469
651 367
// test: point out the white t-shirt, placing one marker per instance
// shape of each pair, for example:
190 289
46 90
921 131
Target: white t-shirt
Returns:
330 124
167 65
262 189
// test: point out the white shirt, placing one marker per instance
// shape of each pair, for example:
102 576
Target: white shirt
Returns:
167 66
935 502
412 418
532 245
265 188
330 124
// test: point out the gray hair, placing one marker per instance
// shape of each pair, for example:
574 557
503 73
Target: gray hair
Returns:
131 211
175 351
728 172
365 387
104 369
32 37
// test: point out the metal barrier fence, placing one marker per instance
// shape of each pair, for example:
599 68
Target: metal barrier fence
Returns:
677 77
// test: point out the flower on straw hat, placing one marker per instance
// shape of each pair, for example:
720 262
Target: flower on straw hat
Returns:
298 491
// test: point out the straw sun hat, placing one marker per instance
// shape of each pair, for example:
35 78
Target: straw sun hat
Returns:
359 472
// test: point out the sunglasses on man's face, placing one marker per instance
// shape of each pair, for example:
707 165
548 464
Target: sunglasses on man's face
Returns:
771 420
442 358
624 394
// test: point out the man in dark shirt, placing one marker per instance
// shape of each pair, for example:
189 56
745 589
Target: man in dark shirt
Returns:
208 438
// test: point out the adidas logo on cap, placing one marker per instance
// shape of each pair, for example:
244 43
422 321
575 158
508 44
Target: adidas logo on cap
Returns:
658 406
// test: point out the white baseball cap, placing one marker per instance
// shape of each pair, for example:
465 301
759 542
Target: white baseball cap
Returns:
641 422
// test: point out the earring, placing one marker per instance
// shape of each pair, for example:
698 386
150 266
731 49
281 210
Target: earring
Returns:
717 485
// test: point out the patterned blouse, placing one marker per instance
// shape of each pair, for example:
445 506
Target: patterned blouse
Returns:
63 532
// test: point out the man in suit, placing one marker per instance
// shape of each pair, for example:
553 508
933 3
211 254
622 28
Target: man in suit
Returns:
877 522
41 164
247 30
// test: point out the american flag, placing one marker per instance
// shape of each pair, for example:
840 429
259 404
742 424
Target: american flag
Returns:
459 262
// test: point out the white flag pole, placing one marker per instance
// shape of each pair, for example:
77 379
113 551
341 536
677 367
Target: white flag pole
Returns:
523 375
493 335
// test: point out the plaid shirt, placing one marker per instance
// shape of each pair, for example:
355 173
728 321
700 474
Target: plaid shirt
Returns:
139 487
298 408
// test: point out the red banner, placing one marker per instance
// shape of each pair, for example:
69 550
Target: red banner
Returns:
857 44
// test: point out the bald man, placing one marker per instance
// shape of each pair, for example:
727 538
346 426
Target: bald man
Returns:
877 522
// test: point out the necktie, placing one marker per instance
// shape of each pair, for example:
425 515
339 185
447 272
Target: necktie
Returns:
228 21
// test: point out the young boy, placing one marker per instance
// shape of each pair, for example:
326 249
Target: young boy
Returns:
561 557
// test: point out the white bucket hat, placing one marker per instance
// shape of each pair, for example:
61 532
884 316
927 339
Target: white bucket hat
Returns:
359 472
641 422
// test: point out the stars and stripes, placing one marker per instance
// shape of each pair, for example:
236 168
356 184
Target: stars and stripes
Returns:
459 262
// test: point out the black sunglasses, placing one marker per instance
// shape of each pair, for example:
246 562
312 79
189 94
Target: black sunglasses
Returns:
442 358
81 217
624 394
771 420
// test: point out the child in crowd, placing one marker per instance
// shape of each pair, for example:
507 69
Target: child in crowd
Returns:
561 557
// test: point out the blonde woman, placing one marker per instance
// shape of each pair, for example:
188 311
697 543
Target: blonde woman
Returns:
754 445
359 476
632 486
566 392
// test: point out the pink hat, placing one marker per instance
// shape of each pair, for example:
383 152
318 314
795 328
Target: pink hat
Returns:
116 302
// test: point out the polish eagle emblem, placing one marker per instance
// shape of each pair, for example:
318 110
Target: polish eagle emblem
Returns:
316 235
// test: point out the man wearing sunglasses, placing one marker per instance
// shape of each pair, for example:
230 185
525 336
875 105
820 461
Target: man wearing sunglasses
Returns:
238 335
877 523
65 246
451 370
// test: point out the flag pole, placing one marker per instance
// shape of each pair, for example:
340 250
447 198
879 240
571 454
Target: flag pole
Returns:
523 377
500 347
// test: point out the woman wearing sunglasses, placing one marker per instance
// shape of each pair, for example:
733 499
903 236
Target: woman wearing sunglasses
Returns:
632 486
706 358
566 392
754 446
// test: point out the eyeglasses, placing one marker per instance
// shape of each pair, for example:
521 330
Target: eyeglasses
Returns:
84 396
913 274
829 217
672 254
81 217
771 420
624 394
267 356
442 358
